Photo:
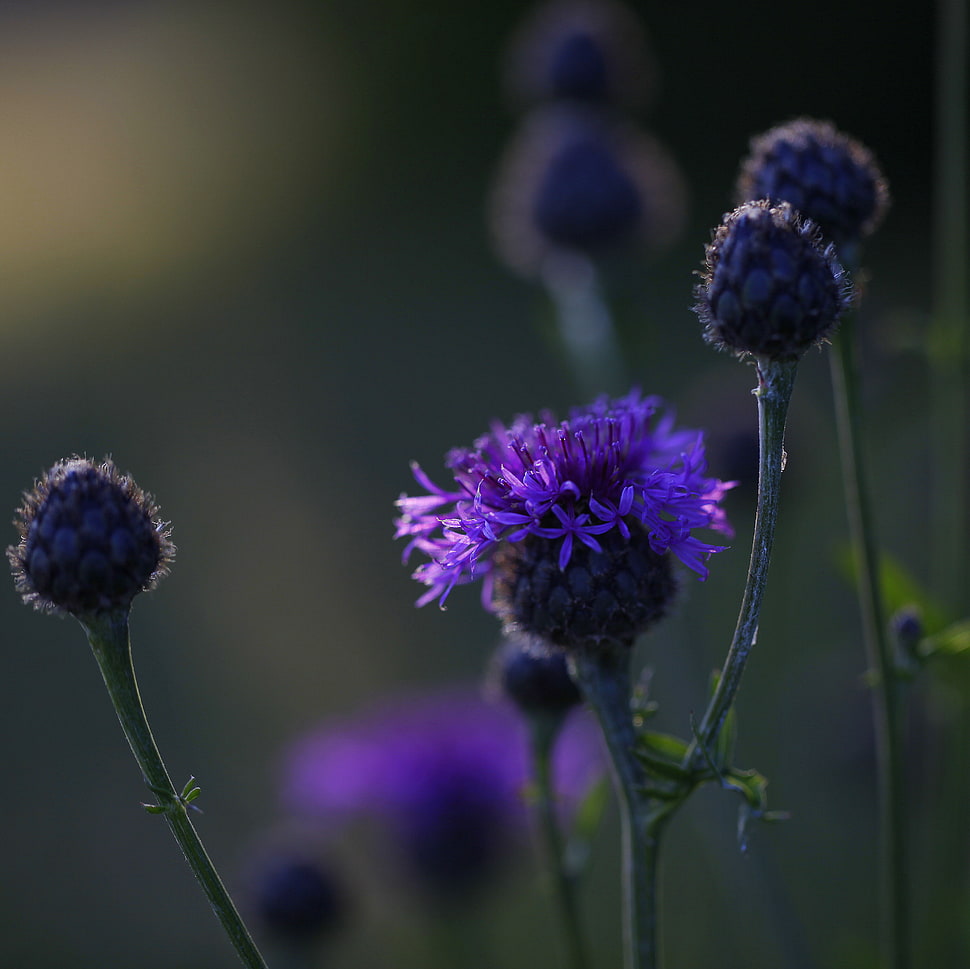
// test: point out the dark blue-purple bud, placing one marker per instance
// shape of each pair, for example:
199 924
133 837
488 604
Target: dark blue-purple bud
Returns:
458 843
769 287
297 900
907 629
579 50
535 678
827 176
575 181
90 540
585 199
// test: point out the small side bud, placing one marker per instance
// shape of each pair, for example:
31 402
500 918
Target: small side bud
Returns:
297 898
535 678
907 630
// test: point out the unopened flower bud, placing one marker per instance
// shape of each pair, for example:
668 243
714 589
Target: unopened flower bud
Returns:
535 678
769 286
575 180
90 540
825 175
297 899
594 51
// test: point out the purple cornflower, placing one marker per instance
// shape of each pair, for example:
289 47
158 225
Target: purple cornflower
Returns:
445 775
612 482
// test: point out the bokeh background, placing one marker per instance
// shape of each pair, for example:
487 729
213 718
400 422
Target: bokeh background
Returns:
243 251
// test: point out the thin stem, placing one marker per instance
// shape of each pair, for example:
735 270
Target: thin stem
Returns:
949 358
604 680
886 706
543 731
949 340
775 382
585 323
108 636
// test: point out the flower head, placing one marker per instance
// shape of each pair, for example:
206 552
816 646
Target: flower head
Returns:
595 501
593 51
826 175
443 774
769 286
575 180
90 540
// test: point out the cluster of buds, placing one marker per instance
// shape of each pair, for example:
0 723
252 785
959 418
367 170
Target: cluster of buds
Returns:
773 283
580 177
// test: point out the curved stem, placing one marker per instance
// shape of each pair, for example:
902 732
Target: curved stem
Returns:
543 733
886 705
108 636
604 680
775 382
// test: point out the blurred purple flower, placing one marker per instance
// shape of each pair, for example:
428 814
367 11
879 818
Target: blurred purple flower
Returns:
443 773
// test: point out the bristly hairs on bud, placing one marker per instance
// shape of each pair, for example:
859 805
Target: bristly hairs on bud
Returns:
90 540
825 174
770 287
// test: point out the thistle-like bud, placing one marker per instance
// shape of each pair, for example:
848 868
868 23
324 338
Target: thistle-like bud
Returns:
575 180
90 540
769 286
827 176
593 51
535 678
297 898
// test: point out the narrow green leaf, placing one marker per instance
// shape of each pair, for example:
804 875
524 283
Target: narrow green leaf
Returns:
951 641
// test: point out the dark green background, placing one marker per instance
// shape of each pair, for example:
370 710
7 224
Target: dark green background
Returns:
244 253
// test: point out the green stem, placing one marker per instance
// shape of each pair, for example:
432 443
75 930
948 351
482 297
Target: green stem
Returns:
775 382
585 323
949 340
604 680
543 731
886 705
108 635
949 358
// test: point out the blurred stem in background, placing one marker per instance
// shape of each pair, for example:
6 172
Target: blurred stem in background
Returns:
543 732
585 324
887 708
948 345
949 358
